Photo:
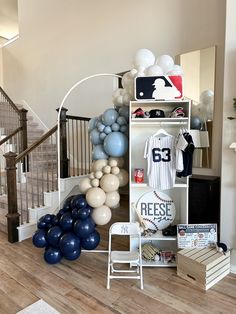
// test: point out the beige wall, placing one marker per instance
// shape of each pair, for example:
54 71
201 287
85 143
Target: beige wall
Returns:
64 41
228 183
1 68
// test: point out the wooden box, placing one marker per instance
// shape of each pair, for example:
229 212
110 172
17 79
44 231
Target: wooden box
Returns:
203 267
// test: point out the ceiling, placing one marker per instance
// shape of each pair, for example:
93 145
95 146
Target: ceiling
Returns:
8 20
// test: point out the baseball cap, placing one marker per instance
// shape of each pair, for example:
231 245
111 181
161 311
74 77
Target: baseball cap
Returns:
157 113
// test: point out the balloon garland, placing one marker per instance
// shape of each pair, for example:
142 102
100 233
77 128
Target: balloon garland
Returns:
73 228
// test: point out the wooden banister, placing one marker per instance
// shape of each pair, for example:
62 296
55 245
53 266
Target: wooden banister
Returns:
36 144
5 139
10 101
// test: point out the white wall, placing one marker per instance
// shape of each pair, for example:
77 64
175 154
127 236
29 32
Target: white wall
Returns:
228 183
64 41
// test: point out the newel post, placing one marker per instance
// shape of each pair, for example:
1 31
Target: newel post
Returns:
12 215
64 162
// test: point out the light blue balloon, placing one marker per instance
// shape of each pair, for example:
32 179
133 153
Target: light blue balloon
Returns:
116 144
115 127
123 128
94 137
102 136
121 120
107 129
92 124
100 127
124 112
99 153
109 116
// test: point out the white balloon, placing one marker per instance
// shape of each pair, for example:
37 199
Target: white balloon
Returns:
95 182
112 199
101 215
99 164
176 70
109 183
84 185
166 63
143 58
95 197
106 169
153 70
115 170
207 97
123 177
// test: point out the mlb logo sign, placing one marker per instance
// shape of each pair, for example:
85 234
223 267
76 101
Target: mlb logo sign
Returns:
158 88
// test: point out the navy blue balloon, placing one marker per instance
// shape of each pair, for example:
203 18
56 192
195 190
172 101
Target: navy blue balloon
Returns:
84 213
52 255
39 238
91 241
78 201
66 221
69 242
71 256
66 207
41 224
47 218
53 236
55 221
75 213
83 228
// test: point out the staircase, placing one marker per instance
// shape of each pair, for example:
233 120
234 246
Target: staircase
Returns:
30 185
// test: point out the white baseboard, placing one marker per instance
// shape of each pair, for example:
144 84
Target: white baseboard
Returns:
26 231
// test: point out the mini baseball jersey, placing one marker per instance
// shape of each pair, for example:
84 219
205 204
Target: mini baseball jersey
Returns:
160 152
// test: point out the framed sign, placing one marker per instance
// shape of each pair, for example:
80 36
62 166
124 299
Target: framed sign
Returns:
196 235
156 209
158 88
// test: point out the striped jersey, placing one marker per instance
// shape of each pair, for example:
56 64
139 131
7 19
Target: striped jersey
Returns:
160 152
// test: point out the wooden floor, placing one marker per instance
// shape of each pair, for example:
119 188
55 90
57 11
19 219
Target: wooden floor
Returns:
80 286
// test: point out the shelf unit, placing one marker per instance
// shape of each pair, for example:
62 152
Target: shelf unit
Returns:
140 130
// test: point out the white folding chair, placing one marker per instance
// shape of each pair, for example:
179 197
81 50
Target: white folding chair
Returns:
134 258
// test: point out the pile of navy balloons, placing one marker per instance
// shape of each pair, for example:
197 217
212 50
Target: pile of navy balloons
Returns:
65 234
109 133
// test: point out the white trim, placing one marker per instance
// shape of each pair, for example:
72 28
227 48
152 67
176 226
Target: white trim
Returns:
233 262
10 41
34 114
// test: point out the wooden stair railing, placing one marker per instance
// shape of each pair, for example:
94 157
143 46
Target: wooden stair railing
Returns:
75 155
13 132
12 160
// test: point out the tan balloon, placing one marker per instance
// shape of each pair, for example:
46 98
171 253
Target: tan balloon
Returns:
112 199
84 185
95 197
115 170
99 164
123 177
120 161
112 162
91 175
95 182
101 215
98 174
106 169
109 183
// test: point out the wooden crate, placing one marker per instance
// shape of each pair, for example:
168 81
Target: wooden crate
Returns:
203 267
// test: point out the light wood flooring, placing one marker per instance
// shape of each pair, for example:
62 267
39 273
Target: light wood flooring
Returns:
80 286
